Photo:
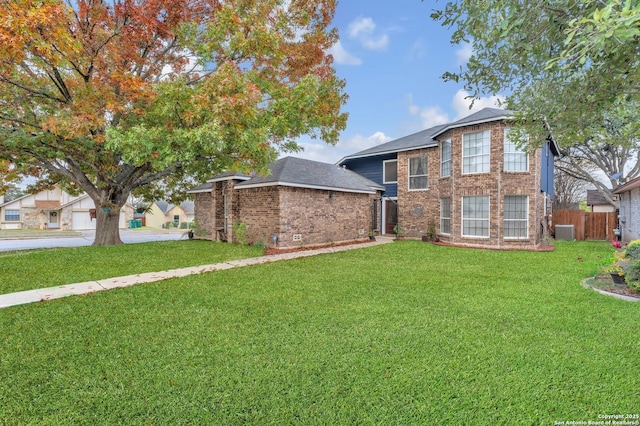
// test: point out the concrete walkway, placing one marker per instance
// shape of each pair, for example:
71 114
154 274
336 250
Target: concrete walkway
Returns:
44 294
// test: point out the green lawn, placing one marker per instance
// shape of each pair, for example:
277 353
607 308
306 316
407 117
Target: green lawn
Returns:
31 269
404 333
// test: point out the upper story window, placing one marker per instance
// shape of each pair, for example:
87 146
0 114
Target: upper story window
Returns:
12 215
475 152
418 178
390 171
445 158
515 159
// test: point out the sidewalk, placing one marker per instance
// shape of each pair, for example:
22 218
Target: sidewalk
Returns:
44 294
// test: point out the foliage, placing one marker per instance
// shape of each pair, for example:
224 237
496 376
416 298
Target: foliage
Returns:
569 69
632 250
632 276
239 232
432 234
397 229
114 97
275 344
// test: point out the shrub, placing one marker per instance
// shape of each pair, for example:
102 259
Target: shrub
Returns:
632 275
633 250
239 230
184 225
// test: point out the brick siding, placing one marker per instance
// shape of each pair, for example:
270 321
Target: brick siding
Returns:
417 209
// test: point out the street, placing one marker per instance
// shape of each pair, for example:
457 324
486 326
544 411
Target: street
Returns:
128 236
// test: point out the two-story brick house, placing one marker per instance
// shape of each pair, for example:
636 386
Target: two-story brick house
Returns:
464 180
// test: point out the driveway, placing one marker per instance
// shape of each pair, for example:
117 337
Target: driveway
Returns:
128 236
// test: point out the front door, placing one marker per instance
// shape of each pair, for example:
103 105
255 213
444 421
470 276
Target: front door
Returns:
390 216
54 222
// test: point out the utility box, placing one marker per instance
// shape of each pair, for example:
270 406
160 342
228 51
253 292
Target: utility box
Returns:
565 232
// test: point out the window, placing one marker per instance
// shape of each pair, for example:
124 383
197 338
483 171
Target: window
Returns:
475 152
475 216
516 213
445 215
12 215
515 159
445 158
418 173
176 218
390 171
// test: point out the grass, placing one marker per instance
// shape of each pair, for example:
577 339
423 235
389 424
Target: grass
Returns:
405 333
31 269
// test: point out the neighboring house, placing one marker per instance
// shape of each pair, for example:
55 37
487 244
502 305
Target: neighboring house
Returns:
53 209
597 202
300 203
464 180
629 223
161 212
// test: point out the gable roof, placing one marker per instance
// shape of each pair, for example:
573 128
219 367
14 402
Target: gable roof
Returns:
301 173
595 198
186 205
427 138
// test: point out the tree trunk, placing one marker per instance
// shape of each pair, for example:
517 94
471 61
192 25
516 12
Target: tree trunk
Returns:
107 226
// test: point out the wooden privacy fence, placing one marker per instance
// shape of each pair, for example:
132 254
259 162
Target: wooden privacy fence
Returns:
587 226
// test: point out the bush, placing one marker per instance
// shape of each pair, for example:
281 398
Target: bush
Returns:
632 276
184 225
633 250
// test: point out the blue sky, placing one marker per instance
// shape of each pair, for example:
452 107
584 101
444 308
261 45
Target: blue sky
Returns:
392 55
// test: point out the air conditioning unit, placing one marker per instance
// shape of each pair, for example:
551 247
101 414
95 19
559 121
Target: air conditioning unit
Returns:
565 232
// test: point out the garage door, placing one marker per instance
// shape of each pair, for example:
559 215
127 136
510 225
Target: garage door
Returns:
82 220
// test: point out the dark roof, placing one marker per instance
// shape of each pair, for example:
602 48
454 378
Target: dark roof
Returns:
426 138
298 172
628 186
229 176
595 198
422 139
205 187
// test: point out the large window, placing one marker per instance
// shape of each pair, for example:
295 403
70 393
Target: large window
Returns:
516 214
390 171
515 159
418 173
445 215
12 215
475 152
475 216
445 158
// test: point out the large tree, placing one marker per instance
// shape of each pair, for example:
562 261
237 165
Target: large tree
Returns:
571 69
110 97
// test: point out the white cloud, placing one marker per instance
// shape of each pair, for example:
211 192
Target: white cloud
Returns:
464 54
341 56
364 31
361 26
461 103
429 115
320 151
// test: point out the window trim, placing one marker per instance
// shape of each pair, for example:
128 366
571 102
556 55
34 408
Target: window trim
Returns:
384 171
447 218
444 143
6 211
426 175
525 220
486 134
516 152
488 219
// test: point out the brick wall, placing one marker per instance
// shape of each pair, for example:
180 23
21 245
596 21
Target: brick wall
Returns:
313 215
418 208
